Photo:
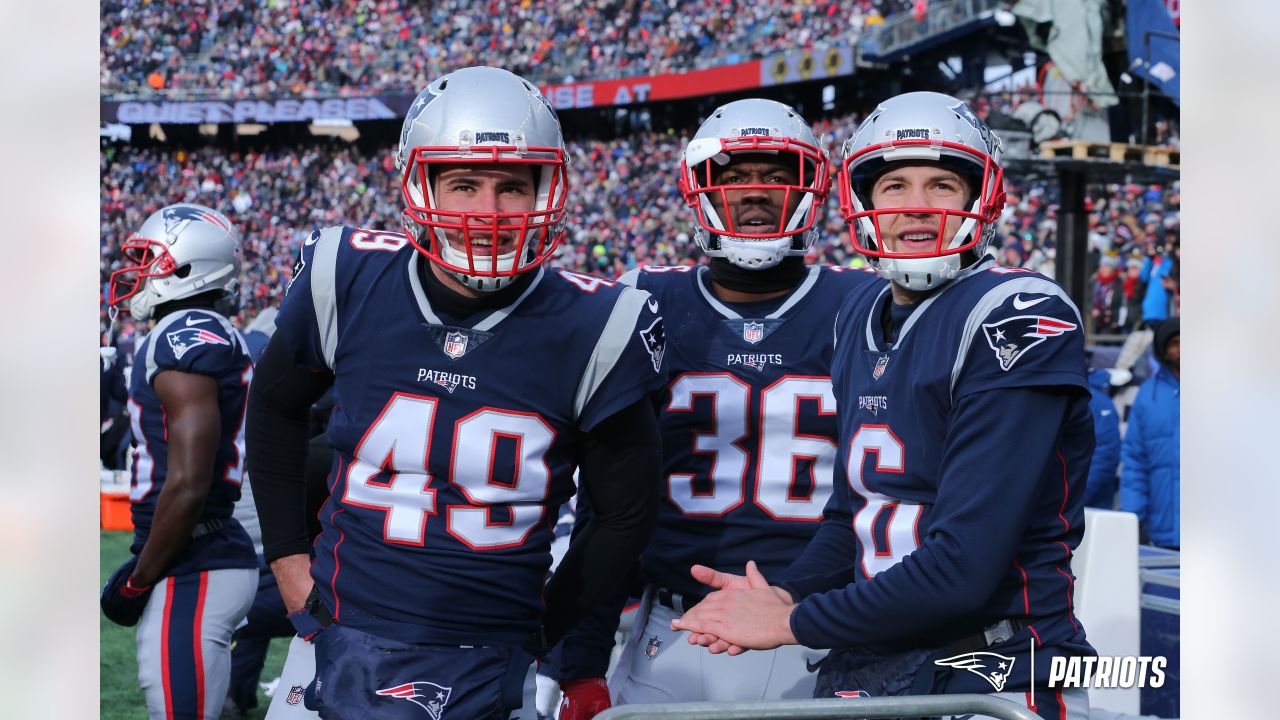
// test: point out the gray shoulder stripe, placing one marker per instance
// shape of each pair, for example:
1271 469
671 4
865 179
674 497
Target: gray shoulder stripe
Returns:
609 348
630 278
994 298
324 269
871 335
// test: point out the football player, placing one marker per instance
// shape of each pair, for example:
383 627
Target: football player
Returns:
469 382
193 572
748 421
965 434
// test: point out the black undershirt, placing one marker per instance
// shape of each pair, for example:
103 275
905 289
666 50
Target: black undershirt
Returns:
783 276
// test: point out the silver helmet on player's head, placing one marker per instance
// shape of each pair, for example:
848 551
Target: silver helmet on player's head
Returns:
483 117
181 250
757 179
923 128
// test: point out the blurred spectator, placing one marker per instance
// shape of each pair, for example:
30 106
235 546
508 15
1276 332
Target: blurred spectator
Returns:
225 49
113 415
1100 491
1108 297
1150 480
1155 276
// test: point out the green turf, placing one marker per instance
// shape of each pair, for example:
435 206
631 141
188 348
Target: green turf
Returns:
121 699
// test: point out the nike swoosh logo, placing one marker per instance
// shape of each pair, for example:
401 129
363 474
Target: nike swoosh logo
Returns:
1020 304
311 239
653 306
193 320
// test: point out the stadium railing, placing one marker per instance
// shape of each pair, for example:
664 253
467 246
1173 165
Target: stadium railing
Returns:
901 31
828 709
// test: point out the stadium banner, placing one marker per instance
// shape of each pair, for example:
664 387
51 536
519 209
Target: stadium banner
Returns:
814 64
648 88
774 70
178 112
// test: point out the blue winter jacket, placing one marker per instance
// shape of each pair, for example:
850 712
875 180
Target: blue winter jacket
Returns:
1100 491
1155 303
1150 480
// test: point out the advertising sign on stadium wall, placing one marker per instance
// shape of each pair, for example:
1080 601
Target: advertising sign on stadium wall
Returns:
775 70
255 111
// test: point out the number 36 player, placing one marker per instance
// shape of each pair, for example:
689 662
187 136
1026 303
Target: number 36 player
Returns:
469 382
965 435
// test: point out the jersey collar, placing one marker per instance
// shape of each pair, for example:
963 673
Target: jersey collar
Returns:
811 279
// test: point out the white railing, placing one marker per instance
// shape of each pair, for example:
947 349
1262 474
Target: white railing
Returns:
907 706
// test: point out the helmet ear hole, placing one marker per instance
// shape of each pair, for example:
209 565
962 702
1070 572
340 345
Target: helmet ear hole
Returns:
183 271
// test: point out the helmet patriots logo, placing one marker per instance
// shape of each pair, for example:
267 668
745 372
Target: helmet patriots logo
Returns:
180 341
1012 338
427 695
964 111
176 217
993 667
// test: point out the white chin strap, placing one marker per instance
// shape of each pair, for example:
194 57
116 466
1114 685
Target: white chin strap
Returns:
752 254
506 262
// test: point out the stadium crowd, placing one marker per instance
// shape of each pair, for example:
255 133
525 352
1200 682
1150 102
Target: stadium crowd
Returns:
626 211
223 49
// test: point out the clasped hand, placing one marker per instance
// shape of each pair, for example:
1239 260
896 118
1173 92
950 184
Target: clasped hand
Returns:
744 613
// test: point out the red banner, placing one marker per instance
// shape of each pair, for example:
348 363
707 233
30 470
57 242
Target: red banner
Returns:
625 91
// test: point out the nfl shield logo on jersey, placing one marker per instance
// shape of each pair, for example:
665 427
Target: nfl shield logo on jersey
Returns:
881 364
455 345
753 332
295 695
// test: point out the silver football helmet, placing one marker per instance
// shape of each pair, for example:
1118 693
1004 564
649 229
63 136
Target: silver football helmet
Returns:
473 116
755 127
913 128
181 250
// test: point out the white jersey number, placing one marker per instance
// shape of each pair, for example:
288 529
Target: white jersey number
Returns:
400 441
780 446
885 526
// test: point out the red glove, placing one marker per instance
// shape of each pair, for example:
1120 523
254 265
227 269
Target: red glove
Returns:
584 698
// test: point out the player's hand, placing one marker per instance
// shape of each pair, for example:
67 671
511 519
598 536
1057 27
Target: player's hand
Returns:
752 578
737 619
583 699
122 600
293 577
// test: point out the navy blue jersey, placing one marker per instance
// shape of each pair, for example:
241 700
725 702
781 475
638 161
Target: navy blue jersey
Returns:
201 342
964 511
748 422
455 441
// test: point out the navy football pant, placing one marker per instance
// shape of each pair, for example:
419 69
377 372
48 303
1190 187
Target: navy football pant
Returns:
184 639
361 676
